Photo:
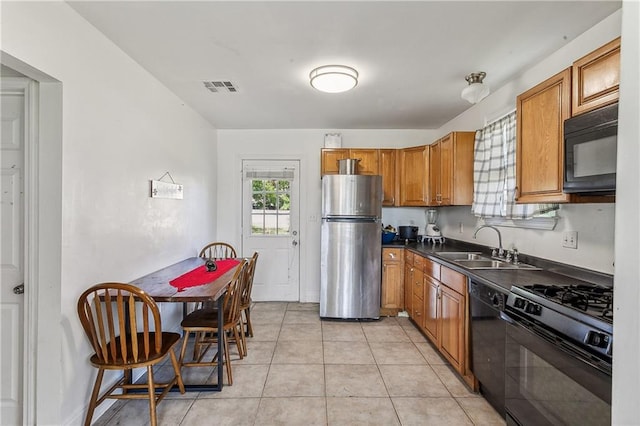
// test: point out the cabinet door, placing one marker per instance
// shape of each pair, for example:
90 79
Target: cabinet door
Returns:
408 288
368 164
541 112
431 308
446 170
414 173
596 78
452 326
392 292
387 169
329 160
418 298
459 169
434 174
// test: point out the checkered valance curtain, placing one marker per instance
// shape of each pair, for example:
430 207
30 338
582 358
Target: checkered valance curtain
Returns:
494 173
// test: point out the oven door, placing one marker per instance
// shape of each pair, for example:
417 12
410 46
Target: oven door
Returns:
550 382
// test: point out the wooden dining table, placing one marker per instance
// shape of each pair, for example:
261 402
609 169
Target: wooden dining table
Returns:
156 285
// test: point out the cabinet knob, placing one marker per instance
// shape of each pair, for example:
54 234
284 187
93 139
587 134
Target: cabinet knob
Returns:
392 255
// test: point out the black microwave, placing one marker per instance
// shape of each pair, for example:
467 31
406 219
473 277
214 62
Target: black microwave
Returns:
590 149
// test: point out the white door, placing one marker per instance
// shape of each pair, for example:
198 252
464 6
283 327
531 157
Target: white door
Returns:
270 225
12 252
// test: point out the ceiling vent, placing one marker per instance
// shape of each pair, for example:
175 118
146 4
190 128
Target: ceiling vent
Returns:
220 86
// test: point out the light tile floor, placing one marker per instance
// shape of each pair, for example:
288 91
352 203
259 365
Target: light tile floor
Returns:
304 371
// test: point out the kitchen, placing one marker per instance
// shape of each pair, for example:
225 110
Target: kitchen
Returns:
82 115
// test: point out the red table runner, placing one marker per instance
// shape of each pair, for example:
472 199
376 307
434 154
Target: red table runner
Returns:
200 275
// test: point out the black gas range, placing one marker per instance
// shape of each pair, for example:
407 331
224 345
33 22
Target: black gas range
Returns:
582 313
559 354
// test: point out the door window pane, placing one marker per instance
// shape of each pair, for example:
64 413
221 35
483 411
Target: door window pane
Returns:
271 205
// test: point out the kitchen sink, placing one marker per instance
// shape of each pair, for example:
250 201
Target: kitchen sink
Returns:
462 255
486 263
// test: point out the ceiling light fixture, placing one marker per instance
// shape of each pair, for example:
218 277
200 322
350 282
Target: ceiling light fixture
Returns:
333 78
475 91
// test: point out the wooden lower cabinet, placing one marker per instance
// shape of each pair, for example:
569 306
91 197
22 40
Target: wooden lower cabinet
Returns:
417 304
452 317
392 291
439 308
431 307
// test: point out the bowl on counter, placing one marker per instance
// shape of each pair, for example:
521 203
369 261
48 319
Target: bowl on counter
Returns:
387 237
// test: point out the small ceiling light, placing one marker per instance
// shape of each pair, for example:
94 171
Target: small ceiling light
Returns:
333 78
475 91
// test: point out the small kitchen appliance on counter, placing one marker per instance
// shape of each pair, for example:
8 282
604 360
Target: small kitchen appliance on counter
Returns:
408 233
431 231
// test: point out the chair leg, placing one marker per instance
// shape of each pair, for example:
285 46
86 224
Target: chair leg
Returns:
238 339
183 350
247 314
243 338
196 346
152 396
227 358
176 369
93 402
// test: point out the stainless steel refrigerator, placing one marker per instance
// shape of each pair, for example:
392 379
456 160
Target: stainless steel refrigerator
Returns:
351 245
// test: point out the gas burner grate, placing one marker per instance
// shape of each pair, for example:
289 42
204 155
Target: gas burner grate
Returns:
584 297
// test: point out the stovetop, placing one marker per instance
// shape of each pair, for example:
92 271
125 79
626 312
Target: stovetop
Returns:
583 313
590 299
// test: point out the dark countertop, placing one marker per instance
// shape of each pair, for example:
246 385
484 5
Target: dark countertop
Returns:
503 279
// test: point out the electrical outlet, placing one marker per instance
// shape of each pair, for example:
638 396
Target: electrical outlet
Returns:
570 239
460 227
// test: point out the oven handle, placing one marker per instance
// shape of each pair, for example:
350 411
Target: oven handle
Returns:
559 343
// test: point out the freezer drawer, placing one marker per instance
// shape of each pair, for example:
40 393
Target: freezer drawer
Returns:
350 269
351 196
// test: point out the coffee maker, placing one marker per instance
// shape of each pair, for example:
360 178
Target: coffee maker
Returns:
431 229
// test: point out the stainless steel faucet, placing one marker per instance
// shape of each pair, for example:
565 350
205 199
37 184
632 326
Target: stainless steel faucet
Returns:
500 250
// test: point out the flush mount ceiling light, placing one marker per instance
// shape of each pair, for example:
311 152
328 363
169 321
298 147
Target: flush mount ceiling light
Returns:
475 91
333 78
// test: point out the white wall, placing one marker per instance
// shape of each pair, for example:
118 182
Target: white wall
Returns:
120 129
626 327
305 145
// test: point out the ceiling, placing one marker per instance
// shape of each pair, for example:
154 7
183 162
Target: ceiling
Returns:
412 56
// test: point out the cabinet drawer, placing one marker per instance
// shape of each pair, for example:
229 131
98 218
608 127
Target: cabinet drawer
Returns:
418 262
432 269
418 289
408 257
392 254
454 280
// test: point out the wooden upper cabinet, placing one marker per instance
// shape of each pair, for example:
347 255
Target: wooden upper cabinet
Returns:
451 170
387 167
434 174
541 112
414 176
596 78
329 160
369 159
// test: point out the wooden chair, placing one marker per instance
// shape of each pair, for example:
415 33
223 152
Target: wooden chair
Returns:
218 250
245 299
111 315
204 323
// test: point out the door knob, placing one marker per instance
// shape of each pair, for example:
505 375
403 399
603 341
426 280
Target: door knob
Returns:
294 243
19 289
